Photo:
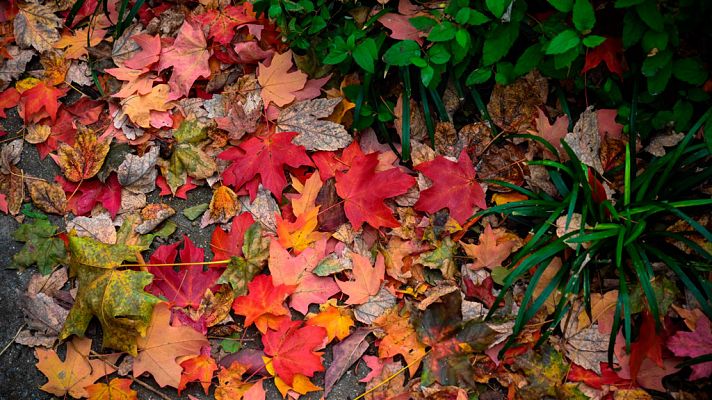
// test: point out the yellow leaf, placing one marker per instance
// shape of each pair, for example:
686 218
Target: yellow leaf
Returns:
85 158
308 192
504 198
299 234
76 44
336 320
139 107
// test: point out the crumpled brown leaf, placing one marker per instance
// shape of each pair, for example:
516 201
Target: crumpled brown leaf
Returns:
85 158
36 26
10 155
315 133
14 66
100 228
48 197
37 133
263 209
134 167
153 215
514 107
585 141
658 143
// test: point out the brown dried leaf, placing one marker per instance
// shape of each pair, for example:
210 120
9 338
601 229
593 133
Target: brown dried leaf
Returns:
514 107
223 206
12 187
314 133
48 197
585 140
99 228
153 215
376 306
36 26
14 66
10 155
133 168
37 133
658 143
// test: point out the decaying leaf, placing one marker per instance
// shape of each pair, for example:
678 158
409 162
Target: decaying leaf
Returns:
48 197
84 159
314 132
36 26
585 140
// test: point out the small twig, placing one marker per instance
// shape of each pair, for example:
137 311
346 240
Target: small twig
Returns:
7 346
177 264
140 382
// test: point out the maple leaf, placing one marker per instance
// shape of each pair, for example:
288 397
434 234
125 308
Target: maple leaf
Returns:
39 102
292 348
181 192
117 389
115 297
223 22
72 375
188 56
163 344
264 304
400 27
552 133
8 99
265 157
648 345
139 107
76 43
84 159
364 190
308 192
241 270
198 368
296 272
137 81
92 192
610 52
454 187
694 344
149 54
232 387
400 338
367 279
314 133
299 235
278 85
490 252
336 320
186 286
225 245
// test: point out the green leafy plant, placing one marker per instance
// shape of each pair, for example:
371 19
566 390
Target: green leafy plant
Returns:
621 236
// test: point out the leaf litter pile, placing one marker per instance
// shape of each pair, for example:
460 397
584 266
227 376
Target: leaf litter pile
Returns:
321 240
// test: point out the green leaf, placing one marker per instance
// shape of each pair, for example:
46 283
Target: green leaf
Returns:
654 40
116 298
504 75
528 60
584 16
497 7
498 42
422 23
232 343
480 75
563 42
192 213
442 32
562 5
653 64
462 37
426 75
463 15
190 131
649 13
477 18
365 55
439 54
627 3
400 53
241 270
41 246
593 41
633 30
317 24
335 56
658 82
690 70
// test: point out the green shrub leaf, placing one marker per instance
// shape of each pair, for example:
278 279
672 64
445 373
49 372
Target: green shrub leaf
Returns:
400 53
563 42
584 17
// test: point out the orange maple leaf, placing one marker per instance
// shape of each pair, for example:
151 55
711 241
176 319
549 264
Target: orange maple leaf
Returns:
117 389
490 252
163 344
72 375
306 200
40 101
278 84
336 320
400 338
264 303
198 368
76 44
299 235
85 158
367 279
139 107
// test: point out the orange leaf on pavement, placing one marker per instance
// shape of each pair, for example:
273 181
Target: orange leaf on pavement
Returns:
278 84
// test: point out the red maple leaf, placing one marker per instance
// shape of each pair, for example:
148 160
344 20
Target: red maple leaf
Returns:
228 244
188 56
610 52
181 193
82 197
8 99
364 190
198 368
454 187
39 102
266 157
63 131
223 22
149 54
648 345
264 303
608 376
292 349
328 162
186 286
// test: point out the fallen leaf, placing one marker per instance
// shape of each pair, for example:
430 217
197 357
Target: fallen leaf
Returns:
225 245
454 187
117 389
36 26
336 320
222 207
513 107
42 247
277 83
84 159
694 344
37 133
76 44
376 306
48 197
241 270
9 99
490 252
39 102
149 54
189 58
585 140
345 354
99 228
198 368
292 348
314 132
72 375
400 338
163 343
138 107
264 303
364 190
367 279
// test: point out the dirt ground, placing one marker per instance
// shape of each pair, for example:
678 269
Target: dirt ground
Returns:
19 379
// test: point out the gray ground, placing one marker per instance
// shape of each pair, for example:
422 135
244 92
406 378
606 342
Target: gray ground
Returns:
19 379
